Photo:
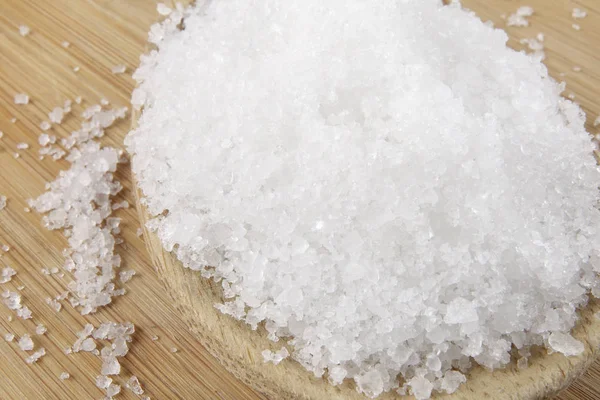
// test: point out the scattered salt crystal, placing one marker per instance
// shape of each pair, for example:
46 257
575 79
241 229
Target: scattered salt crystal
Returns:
40 329
9 337
597 121
103 382
25 343
54 270
125 276
578 13
577 68
24 30
9 318
139 232
163 9
88 345
5 248
2 202
21 98
16 155
119 69
12 300
13 120
123 204
78 99
154 338
519 18
173 349
1 134
65 44
565 343
112 390
110 366
36 356
577 27
45 125
76 68
134 385
22 146
7 274
56 306
277 357
56 115
44 139
24 312
26 209
64 376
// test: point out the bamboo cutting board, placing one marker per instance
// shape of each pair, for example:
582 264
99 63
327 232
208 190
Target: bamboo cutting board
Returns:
104 33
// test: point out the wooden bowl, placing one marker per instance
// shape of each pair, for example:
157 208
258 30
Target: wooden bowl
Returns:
239 348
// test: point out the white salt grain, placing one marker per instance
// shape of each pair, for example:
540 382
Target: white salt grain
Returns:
388 211
163 9
2 202
565 343
578 13
103 382
134 385
519 18
65 44
40 329
577 27
577 68
597 121
22 146
21 98
25 343
24 30
45 125
36 356
125 276
24 313
64 376
119 69
76 68
56 115
9 337
7 274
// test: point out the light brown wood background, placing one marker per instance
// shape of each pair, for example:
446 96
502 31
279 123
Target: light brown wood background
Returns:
104 33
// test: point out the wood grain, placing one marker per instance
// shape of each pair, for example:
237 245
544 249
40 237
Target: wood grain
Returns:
104 33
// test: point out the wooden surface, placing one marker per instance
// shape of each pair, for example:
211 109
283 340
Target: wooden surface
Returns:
104 33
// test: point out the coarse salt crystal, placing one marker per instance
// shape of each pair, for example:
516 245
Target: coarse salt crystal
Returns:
577 27
7 273
163 9
519 18
40 329
24 30
25 343
22 146
9 337
119 69
134 385
2 202
36 356
64 376
578 13
21 98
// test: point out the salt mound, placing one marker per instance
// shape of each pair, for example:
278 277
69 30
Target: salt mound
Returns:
385 184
